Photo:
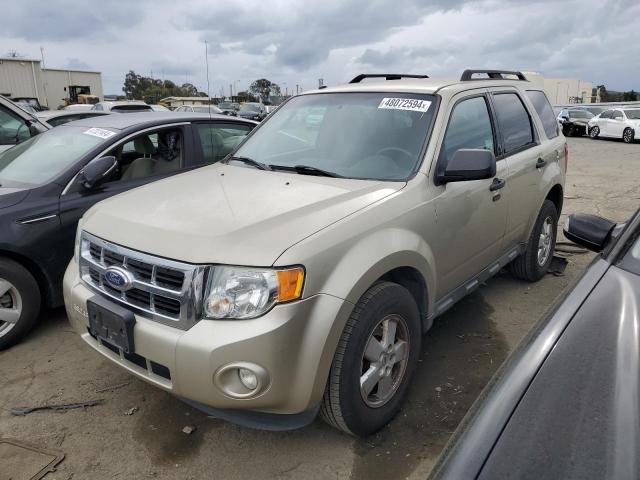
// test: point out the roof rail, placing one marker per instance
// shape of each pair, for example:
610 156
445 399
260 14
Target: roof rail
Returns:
386 76
492 74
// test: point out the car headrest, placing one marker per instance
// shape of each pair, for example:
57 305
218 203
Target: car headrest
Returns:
143 145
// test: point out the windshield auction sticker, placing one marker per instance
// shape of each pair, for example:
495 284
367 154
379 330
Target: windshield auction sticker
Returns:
411 104
99 132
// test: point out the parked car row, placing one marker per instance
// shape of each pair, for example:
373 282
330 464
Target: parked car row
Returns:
622 123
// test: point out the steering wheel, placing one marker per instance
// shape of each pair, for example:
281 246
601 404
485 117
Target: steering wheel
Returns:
406 153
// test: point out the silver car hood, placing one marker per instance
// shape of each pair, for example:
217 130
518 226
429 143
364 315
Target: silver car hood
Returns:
229 214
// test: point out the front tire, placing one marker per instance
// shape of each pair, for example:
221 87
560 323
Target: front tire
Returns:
533 264
627 135
594 132
19 302
374 362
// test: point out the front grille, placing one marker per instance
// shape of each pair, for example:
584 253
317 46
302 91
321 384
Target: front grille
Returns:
163 290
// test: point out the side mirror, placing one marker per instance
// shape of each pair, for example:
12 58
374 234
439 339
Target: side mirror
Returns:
97 171
469 164
589 231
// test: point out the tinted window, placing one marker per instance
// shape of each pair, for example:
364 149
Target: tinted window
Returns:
514 121
545 112
580 114
617 115
219 139
12 128
469 127
607 114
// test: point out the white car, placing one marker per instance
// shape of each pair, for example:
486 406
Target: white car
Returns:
199 109
123 106
616 123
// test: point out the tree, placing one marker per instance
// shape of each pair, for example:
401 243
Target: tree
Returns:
629 96
153 89
263 88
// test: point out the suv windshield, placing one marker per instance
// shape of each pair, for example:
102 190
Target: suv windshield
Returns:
375 136
45 156
633 114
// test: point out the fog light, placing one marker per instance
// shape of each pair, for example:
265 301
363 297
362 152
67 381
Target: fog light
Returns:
248 378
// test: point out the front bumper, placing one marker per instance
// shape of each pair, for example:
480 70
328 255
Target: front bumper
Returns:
294 343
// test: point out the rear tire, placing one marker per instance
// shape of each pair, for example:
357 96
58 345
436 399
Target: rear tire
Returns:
594 132
379 348
533 264
627 135
19 302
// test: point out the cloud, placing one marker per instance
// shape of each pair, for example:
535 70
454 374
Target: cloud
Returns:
296 42
70 19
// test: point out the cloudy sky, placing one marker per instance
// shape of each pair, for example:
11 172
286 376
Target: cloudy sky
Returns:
297 42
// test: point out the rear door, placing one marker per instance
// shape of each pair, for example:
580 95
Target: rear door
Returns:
519 145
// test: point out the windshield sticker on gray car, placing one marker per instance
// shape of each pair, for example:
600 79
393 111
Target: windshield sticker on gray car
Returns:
99 132
412 104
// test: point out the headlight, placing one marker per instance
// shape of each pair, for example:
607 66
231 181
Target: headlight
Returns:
242 292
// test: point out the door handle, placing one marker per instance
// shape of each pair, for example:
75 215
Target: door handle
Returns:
497 184
541 163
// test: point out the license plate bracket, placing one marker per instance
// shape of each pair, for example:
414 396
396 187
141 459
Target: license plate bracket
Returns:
111 323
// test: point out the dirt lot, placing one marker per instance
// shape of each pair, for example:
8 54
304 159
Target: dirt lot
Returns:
459 355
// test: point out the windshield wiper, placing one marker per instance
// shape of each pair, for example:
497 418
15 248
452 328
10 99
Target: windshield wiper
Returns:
306 170
249 161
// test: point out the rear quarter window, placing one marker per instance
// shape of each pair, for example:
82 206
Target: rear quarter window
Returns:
543 108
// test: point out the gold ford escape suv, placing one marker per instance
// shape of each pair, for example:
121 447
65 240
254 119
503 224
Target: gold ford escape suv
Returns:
299 274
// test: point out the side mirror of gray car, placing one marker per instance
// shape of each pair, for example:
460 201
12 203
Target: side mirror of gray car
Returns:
97 171
589 231
469 164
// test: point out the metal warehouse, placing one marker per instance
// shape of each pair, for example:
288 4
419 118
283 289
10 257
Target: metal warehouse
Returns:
22 77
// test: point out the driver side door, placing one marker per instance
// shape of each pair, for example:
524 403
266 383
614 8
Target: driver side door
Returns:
471 215
76 200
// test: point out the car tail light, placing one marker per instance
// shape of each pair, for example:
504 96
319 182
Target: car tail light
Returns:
566 157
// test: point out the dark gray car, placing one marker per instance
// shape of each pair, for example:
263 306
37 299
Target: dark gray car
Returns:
566 404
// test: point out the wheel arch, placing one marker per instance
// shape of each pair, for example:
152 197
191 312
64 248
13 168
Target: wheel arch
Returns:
556 195
42 279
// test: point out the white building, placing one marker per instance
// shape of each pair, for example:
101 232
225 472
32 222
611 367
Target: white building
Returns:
22 77
563 91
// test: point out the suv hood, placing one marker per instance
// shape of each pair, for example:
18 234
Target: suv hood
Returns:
229 214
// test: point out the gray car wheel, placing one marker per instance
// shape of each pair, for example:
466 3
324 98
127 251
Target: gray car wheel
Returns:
594 132
374 362
627 135
19 302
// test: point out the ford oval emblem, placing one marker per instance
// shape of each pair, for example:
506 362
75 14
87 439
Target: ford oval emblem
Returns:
118 278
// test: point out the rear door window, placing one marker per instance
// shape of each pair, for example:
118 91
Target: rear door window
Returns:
545 112
217 140
514 121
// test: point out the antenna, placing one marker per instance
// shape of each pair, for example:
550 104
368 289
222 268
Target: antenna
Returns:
44 79
206 57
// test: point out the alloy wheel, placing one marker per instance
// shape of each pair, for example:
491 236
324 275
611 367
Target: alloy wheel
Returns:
545 241
10 306
384 360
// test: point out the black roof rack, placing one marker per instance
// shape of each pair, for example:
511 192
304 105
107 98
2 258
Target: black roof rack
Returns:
492 74
386 76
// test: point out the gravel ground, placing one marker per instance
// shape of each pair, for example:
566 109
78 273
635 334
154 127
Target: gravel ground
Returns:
137 431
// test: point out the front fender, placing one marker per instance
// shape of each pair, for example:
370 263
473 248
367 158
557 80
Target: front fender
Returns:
348 269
